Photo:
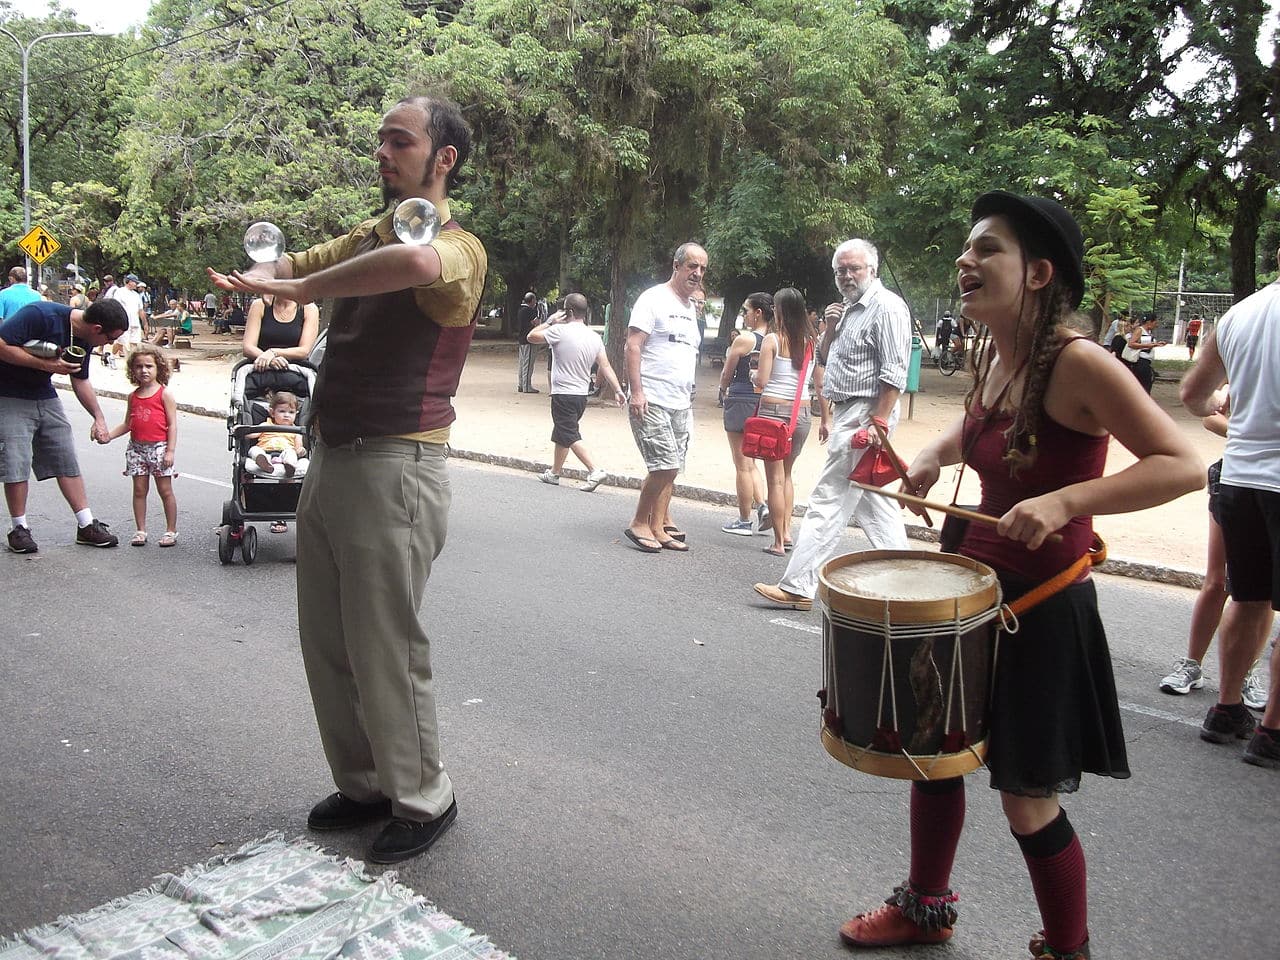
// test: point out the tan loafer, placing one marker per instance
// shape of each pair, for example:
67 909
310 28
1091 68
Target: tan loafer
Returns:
781 598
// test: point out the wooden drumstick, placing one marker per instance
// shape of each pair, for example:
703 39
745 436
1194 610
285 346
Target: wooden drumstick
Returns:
944 507
897 466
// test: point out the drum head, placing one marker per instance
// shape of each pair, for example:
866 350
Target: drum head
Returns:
915 586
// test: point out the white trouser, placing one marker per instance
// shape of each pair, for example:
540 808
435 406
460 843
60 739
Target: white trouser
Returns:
834 500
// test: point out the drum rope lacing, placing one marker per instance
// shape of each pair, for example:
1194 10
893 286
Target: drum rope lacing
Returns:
889 631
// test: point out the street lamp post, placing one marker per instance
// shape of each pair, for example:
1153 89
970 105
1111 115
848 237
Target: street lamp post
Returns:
26 122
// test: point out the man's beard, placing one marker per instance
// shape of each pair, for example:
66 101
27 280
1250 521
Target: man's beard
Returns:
853 290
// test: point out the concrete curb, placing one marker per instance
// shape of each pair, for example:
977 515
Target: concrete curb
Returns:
1115 566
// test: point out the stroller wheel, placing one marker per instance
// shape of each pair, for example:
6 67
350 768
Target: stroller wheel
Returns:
249 545
226 546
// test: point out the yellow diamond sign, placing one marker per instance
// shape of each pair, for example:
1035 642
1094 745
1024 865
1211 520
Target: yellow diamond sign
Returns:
39 244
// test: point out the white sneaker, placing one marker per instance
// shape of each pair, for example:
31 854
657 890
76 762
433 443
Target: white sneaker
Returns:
594 479
764 522
741 528
1255 691
1186 676
546 476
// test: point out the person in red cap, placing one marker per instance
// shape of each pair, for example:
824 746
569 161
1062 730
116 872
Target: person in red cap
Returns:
1036 429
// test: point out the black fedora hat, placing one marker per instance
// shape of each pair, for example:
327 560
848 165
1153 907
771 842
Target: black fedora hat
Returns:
1051 222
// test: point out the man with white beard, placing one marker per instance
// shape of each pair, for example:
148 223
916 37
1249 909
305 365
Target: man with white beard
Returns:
862 369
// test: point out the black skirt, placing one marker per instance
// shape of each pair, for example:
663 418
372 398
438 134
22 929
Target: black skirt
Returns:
1054 710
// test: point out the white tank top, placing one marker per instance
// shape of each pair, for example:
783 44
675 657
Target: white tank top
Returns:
782 378
1249 341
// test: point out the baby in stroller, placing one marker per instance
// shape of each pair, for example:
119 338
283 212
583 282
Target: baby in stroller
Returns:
266 436
278 454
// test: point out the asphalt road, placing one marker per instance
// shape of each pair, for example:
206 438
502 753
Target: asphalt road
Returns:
634 741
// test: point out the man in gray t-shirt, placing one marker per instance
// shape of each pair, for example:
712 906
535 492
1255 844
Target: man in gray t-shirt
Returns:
575 348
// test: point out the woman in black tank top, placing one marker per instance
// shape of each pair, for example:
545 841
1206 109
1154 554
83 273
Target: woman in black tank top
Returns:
278 331
739 396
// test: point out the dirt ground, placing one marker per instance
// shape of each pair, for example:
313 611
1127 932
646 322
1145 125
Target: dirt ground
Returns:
494 418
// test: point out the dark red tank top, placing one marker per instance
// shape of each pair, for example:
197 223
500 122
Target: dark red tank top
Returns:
1066 457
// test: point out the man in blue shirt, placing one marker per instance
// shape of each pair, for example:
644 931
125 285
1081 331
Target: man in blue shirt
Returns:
17 294
34 431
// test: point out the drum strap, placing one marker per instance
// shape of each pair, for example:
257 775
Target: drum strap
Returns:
1095 555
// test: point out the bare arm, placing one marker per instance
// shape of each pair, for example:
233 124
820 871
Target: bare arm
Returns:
1089 393
925 469
742 345
1204 379
636 339
605 369
171 416
277 269
886 400
253 329
824 405
385 270
84 392
768 353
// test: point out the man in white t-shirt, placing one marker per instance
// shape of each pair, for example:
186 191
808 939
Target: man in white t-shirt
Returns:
132 300
575 347
1242 350
662 360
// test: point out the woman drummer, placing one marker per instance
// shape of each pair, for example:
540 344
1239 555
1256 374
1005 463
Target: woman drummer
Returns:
1036 428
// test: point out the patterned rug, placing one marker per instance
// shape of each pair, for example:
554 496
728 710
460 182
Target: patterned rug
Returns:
269 899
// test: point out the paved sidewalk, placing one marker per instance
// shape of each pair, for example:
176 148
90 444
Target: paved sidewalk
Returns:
499 426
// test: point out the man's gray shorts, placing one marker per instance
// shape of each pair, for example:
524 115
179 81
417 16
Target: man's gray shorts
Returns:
35 435
662 436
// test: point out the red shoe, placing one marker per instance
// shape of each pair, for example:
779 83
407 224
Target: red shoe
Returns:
1042 951
887 927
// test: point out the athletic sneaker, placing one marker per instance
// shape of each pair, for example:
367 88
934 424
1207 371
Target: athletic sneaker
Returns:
546 476
764 523
21 541
1186 676
594 479
1263 750
96 534
741 528
1222 725
1256 688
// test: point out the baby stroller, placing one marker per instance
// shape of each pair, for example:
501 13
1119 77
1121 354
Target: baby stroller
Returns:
256 496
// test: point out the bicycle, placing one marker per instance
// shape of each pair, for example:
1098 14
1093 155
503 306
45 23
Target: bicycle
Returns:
949 359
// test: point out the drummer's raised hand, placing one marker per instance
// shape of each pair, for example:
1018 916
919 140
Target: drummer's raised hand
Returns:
1031 521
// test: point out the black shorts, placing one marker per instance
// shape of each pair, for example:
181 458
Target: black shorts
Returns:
566 410
1193 339
1250 522
1215 484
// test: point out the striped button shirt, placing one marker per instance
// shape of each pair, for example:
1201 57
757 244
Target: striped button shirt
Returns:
871 346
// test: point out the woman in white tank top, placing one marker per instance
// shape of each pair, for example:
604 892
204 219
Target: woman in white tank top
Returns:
786 358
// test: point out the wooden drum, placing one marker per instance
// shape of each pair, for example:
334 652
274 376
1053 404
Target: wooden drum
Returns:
908 650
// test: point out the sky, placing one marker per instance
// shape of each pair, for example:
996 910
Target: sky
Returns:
108 17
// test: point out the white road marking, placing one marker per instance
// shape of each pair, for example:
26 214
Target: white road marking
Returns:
1158 714
216 483
796 625
1124 705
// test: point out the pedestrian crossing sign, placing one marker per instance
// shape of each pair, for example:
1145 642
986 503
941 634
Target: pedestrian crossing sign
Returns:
39 244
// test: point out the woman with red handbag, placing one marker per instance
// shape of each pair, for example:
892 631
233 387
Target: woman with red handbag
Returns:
786 363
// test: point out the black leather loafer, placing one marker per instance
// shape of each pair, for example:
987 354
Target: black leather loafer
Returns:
401 839
339 812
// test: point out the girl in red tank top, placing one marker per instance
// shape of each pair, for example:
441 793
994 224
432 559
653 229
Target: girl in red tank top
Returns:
151 421
1036 429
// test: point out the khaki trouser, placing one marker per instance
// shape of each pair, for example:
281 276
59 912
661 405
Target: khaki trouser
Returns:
372 517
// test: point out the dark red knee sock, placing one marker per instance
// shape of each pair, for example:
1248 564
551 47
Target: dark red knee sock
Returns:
937 817
1055 860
